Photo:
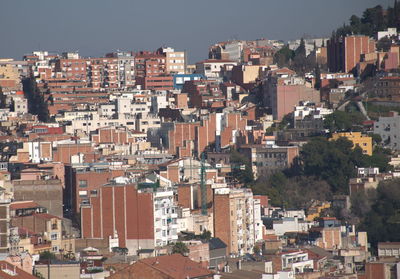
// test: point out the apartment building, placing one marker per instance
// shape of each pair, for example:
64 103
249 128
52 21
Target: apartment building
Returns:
119 208
389 128
165 217
283 90
212 68
362 141
266 159
10 78
84 180
389 249
175 61
47 193
235 219
126 68
345 52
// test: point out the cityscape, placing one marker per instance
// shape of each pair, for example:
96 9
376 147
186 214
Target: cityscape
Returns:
265 159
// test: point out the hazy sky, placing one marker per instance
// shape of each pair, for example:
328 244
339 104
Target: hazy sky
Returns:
95 27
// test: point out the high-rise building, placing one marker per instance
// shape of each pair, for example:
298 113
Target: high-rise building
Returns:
235 220
165 217
345 52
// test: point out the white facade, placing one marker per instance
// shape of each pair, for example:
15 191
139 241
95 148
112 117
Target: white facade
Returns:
306 109
20 105
212 69
390 32
234 50
165 217
297 262
290 225
158 102
389 129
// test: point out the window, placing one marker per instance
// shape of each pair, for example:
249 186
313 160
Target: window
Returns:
93 193
82 183
83 194
54 236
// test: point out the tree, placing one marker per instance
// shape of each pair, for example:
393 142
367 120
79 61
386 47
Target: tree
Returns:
343 121
382 222
47 255
293 192
301 49
355 23
205 235
373 20
237 159
384 44
180 248
284 56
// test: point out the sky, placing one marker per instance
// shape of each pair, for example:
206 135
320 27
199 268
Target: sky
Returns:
95 27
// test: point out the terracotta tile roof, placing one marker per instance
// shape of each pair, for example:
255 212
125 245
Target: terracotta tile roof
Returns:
9 271
23 205
177 266
173 266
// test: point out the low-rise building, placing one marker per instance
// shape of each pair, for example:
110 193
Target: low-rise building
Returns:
362 141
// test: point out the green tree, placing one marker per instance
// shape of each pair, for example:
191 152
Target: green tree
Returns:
205 235
383 221
330 161
293 192
237 160
301 49
284 56
180 248
47 255
343 121
355 23
384 44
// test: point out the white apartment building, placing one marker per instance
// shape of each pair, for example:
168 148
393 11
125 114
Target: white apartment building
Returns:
297 262
212 68
244 220
165 217
389 129
288 224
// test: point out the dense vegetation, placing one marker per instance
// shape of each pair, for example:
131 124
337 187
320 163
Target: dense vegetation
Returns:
344 121
373 20
296 60
322 170
379 212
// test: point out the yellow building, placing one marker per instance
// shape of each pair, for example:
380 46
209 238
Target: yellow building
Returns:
315 211
363 141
